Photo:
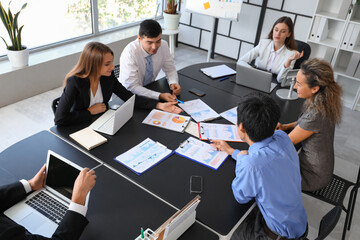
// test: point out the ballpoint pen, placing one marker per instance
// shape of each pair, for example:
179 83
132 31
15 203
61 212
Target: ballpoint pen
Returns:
222 79
142 233
179 101
96 167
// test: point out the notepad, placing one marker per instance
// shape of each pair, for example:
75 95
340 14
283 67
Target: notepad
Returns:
202 153
218 71
144 156
88 138
217 131
199 110
170 121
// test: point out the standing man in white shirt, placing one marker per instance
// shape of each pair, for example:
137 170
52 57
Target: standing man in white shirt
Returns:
142 60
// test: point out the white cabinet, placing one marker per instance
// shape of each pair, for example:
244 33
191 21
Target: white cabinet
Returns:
335 37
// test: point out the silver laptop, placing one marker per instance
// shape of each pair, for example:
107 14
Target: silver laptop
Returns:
112 120
254 78
42 211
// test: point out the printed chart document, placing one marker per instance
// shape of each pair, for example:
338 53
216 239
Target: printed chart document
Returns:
199 110
88 138
218 71
230 115
167 120
202 153
144 156
226 132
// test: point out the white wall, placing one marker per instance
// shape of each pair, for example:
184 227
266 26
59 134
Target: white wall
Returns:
234 39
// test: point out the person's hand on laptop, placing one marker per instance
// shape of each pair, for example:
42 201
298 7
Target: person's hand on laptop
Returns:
97 108
169 107
83 184
37 182
167 97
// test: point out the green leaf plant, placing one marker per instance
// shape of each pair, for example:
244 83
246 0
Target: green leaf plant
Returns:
10 22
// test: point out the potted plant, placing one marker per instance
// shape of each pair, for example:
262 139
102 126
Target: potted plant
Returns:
17 53
171 15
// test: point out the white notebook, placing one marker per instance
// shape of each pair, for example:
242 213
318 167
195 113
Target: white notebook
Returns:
88 138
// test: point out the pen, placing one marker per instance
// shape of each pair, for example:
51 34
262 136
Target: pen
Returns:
142 233
209 140
222 79
96 167
179 101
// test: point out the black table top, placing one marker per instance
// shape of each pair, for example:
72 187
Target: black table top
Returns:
117 207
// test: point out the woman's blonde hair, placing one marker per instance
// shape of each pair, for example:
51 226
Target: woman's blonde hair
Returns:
289 41
327 100
90 61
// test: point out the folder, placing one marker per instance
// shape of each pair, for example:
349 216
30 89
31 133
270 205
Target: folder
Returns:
354 39
314 28
347 36
354 61
323 30
88 138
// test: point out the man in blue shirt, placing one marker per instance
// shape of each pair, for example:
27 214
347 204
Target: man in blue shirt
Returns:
269 172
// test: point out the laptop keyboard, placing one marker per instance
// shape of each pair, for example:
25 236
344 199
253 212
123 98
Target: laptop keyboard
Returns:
105 122
48 206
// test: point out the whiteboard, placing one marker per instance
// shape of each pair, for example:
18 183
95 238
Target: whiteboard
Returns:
226 9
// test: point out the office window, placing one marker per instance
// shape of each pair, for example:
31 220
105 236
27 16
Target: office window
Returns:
53 21
114 13
49 21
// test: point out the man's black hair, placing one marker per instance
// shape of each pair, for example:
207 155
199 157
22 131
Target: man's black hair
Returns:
149 28
259 115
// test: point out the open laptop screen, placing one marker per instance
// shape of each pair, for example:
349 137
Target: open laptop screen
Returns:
61 176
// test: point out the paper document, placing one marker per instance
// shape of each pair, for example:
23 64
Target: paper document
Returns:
144 155
226 132
167 120
201 152
199 110
218 71
230 115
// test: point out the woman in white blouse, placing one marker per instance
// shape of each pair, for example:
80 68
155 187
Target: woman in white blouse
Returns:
278 53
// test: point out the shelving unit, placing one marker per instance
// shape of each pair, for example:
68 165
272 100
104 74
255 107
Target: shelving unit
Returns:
335 36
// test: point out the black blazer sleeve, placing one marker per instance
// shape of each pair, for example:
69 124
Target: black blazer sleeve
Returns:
72 107
11 194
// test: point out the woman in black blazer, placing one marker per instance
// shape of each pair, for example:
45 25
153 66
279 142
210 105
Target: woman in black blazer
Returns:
94 71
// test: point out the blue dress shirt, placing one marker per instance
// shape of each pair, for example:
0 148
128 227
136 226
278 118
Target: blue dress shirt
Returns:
270 173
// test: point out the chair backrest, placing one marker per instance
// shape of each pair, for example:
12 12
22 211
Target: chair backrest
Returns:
117 70
302 46
328 222
55 104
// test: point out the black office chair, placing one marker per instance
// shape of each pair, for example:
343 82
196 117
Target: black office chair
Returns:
328 222
55 104
302 46
117 70
334 193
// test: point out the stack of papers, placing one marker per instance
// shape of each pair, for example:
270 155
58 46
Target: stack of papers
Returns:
88 138
218 71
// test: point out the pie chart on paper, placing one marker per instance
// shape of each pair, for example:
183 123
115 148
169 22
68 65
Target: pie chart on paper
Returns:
178 119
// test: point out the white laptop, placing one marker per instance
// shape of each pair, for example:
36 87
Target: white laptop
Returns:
251 77
112 120
42 211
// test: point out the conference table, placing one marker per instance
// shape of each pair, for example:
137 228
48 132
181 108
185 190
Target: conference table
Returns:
117 207
170 179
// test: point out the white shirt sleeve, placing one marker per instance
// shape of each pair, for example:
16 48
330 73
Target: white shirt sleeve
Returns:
250 55
168 66
130 77
81 209
26 185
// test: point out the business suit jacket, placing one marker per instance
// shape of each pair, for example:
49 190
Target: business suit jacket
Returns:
261 54
75 99
70 228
